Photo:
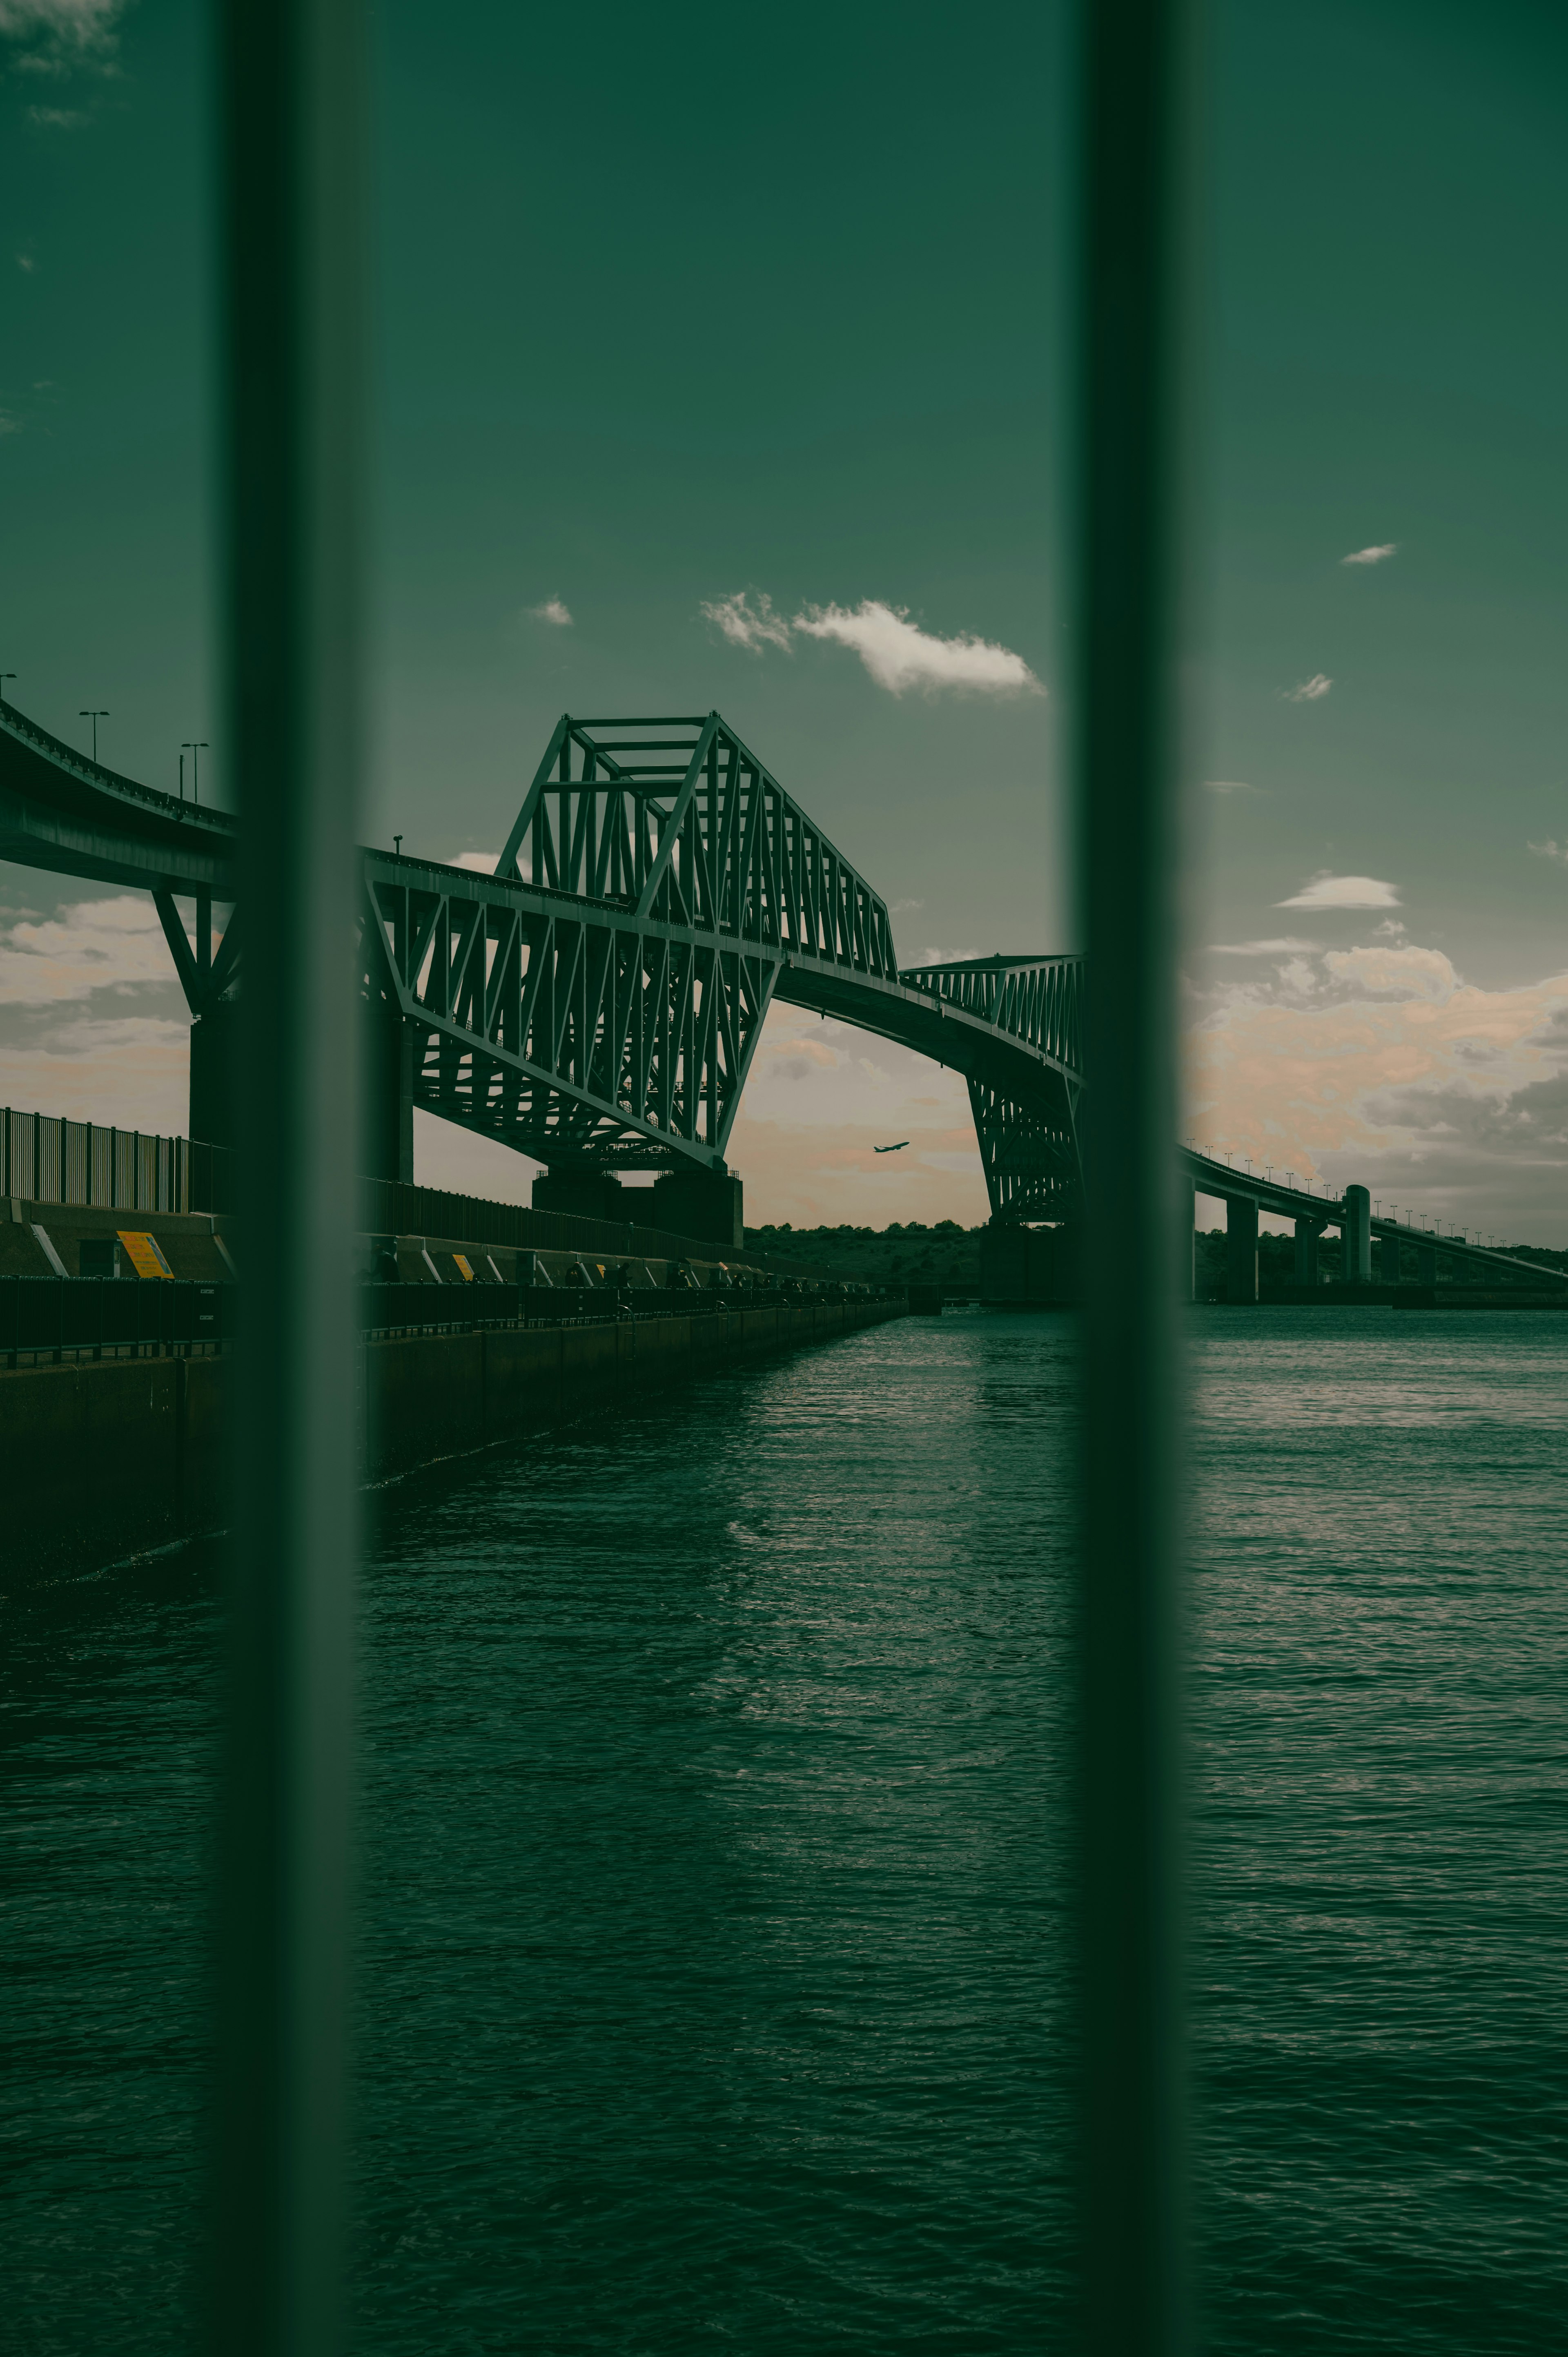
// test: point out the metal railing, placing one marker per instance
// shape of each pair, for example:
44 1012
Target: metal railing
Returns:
45 1161
53 1319
295 80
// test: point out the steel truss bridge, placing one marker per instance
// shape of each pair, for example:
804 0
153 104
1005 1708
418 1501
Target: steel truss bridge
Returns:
596 1002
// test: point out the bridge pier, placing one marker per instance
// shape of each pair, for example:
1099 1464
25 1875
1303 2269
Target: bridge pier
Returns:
705 1204
1356 1236
1187 1243
1307 1232
1240 1249
388 1125
1427 1263
1023 1265
212 1073
582 1192
1389 1259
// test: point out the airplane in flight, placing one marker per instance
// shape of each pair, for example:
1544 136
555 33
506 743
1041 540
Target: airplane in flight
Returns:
903 1142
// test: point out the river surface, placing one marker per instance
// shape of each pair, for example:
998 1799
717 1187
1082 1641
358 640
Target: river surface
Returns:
711 1986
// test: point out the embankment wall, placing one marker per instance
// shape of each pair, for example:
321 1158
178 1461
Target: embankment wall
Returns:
103 1459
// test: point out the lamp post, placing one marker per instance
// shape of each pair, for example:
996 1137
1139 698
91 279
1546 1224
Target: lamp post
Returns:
94 714
195 747
4 675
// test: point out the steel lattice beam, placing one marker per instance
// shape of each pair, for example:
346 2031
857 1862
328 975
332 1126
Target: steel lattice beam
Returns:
599 998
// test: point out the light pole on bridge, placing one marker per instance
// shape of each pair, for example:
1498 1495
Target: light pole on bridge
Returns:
95 714
195 747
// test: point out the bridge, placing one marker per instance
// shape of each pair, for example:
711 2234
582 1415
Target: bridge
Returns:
596 1004
597 1001
1247 1194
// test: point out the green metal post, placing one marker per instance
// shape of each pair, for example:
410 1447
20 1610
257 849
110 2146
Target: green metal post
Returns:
294 82
1127 735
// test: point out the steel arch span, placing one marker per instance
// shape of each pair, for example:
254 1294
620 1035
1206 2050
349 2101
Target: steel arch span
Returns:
597 1001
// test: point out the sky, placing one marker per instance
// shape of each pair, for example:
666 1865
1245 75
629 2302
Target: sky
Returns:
720 361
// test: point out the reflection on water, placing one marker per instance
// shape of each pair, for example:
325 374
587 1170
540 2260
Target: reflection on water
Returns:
713 1886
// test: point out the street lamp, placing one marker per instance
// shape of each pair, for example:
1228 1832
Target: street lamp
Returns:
4 675
195 747
95 715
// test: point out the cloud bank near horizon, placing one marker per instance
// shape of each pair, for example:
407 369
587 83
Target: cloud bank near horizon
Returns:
1380 1063
897 653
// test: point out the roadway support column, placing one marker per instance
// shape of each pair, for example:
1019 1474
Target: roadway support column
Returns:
211 1072
387 1147
1356 1236
1240 1249
1389 1259
1186 1239
706 1204
1307 1232
1427 1263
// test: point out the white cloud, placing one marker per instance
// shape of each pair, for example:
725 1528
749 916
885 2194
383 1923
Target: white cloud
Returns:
1549 849
1259 949
897 653
1325 892
9 425
1389 973
904 907
57 118
479 863
1382 1064
55 35
745 626
26 261
1371 555
1310 689
115 944
1229 786
553 610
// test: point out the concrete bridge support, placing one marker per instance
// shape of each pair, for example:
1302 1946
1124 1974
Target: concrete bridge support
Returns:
388 1124
1356 1236
1307 1232
1240 1250
1427 1263
1186 1239
212 1073
1388 1260
707 1204
583 1193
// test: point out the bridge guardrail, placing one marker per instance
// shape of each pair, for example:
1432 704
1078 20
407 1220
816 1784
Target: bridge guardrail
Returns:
95 1316
403 1309
56 1317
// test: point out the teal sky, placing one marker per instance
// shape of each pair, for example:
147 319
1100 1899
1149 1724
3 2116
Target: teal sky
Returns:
677 305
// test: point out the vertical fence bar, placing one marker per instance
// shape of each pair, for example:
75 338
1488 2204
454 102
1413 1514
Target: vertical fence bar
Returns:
293 74
1134 84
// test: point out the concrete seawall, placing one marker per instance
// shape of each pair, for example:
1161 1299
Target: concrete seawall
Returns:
103 1459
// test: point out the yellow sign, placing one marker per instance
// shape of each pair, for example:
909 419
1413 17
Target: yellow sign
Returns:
144 1255
465 1272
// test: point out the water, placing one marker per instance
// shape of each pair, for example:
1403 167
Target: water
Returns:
712 1987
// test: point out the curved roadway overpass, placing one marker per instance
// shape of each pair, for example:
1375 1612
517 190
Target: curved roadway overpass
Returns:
1248 1193
598 1000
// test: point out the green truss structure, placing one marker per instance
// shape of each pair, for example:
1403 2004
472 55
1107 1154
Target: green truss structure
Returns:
597 1001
